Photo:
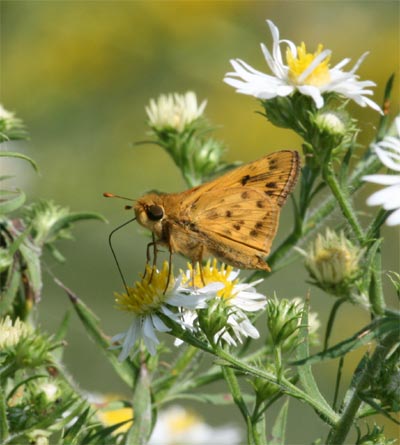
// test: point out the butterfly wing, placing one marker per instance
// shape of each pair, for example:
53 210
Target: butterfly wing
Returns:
237 226
274 175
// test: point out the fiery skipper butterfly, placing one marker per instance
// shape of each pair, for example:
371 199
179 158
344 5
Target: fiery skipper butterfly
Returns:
233 218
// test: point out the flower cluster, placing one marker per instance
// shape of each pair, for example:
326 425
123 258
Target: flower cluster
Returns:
210 299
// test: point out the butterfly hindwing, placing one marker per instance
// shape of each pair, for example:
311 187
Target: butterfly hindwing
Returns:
242 216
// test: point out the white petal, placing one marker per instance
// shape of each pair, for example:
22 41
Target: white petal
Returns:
132 335
314 92
388 158
382 179
159 324
389 197
394 218
150 339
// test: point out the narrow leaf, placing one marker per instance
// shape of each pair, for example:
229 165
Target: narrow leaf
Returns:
10 290
66 220
12 154
279 428
305 373
11 204
32 260
376 329
140 431
90 322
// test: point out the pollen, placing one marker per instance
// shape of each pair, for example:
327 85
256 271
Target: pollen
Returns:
211 273
318 76
148 294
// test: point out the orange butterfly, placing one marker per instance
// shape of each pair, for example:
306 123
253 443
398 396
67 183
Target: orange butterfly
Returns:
233 218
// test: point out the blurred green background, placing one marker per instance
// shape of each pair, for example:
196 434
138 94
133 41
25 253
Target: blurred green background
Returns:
79 73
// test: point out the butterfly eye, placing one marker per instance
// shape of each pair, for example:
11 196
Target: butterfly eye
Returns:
155 212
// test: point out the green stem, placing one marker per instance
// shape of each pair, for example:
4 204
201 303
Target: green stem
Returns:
4 432
376 297
331 320
338 433
343 201
236 392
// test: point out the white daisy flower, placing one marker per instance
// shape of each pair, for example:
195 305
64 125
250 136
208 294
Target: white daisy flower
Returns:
177 426
307 73
149 298
238 297
388 151
174 111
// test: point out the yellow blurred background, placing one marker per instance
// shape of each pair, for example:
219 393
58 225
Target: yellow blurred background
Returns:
79 73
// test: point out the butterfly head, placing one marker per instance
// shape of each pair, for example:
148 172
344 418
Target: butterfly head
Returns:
149 211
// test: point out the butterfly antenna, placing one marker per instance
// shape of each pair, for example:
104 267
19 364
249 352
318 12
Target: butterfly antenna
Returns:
113 251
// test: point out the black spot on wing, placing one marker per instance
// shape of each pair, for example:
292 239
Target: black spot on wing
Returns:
245 179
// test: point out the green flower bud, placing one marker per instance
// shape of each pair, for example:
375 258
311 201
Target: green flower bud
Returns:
44 216
263 388
283 320
333 262
375 437
214 318
11 128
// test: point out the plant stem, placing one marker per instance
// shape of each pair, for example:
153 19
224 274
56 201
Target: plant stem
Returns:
234 388
339 432
344 203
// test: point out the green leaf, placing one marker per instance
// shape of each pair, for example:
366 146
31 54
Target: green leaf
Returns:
11 204
213 399
32 260
9 291
90 322
140 431
72 432
279 428
304 369
376 329
12 154
65 221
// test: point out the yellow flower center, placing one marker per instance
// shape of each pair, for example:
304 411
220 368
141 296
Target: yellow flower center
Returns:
182 422
297 65
147 295
211 274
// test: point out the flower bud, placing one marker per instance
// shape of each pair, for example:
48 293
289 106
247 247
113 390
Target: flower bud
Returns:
333 262
375 437
174 112
11 128
12 333
264 388
283 320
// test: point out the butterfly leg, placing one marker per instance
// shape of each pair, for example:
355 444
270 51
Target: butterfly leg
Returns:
153 245
200 261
